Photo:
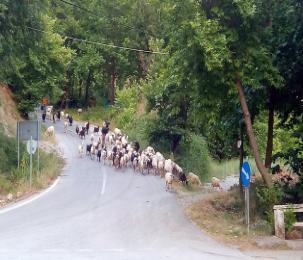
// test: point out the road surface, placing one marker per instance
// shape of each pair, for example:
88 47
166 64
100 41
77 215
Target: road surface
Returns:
97 212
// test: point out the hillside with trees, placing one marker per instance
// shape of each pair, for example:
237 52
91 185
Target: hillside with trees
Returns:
190 77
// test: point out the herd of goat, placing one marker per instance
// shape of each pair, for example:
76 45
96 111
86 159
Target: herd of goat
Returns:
113 148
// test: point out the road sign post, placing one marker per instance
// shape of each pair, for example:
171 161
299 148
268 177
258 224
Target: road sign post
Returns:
25 131
30 163
38 153
31 149
245 179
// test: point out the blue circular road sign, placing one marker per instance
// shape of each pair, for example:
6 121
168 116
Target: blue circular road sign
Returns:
245 174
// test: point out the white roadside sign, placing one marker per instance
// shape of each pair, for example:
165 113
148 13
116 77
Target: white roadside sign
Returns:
34 146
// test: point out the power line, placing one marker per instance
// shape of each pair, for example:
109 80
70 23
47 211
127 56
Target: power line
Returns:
95 14
78 6
100 43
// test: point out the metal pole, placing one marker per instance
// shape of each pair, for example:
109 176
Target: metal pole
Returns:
30 163
247 208
245 200
18 144
38 139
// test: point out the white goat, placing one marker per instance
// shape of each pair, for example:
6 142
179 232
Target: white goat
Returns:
215 183
169 180
81 149
50 131
65 126
193 179
117 132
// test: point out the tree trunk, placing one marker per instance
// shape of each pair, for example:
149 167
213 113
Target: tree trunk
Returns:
251 135
112 87
64 100
174 143
143 65
241 154
87 86
241 150
80 90
270 131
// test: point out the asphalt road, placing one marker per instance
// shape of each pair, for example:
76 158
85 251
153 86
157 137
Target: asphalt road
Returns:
97 212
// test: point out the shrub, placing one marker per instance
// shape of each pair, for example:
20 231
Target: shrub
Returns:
267 197
193 155
289 219
8 153
138 131
125 107
5 185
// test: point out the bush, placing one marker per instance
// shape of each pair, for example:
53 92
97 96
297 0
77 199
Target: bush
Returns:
267 197
289 219
8 153
5 185
193 155
125 107
138 131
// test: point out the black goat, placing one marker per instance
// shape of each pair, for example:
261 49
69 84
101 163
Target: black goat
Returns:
88 149
183 179
99 155
96 129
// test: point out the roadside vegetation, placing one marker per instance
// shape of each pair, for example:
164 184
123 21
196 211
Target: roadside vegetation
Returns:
204 81
14 182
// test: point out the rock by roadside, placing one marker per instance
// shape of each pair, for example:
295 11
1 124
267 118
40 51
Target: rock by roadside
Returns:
49 147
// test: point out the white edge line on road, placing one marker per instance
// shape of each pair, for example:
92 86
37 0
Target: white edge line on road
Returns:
25 202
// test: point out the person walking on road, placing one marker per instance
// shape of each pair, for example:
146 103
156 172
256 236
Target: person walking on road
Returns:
70 119
59 115
87 127
104 131
43 116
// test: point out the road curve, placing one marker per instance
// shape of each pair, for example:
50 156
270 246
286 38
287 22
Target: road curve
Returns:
97 212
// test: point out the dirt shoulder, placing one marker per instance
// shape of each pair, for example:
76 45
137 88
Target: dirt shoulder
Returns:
212 212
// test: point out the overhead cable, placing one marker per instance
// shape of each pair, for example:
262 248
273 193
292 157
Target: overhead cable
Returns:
97 15
100 43
74 5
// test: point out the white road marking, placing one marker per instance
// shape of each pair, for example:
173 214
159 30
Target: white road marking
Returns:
84 250
103 182
112 250
21 204
55 250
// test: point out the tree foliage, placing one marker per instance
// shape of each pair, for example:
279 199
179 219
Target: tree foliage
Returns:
218 51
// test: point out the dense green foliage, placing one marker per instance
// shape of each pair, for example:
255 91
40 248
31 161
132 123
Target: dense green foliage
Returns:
289 219
7 153
212 49
267 198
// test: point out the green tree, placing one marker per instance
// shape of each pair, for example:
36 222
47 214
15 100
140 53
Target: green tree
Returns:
35 61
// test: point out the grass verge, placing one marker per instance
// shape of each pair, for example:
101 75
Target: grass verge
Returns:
221 215
14 182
